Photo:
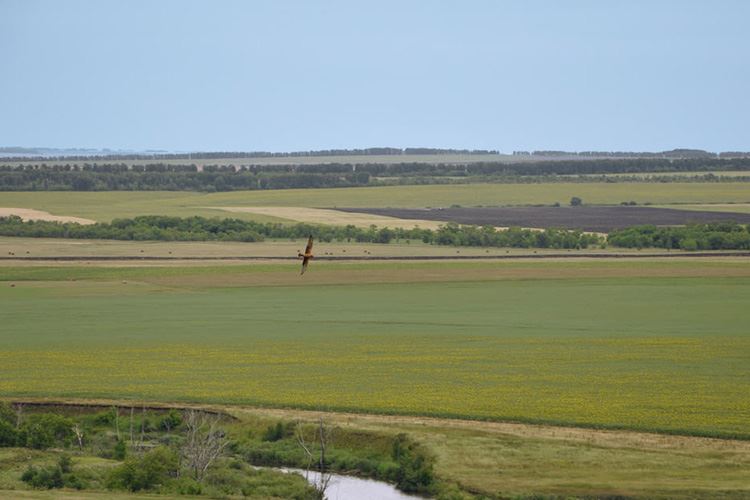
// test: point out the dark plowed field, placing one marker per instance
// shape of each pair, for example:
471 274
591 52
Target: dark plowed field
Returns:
586 218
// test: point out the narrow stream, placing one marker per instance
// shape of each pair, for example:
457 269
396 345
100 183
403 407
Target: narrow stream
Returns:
353 488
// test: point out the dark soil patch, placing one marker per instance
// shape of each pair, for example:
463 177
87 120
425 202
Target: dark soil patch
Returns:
586 218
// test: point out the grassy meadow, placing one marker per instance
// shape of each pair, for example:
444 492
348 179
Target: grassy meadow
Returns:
651 345
62 247
104 206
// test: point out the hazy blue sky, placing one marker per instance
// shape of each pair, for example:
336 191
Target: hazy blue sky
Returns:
295 75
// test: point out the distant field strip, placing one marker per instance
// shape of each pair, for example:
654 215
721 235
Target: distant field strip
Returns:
335 217
642 345
586 218
31 214
742 208
107 205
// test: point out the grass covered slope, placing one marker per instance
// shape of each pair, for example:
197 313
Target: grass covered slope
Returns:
647 345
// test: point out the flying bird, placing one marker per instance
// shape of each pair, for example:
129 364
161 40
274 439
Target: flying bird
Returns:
307 255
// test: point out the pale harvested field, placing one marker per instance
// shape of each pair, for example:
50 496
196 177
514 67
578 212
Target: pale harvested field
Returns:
740 208
237 274
61 247
650 175
31 214
335 217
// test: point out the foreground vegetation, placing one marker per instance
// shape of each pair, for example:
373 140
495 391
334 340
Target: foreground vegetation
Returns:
194 452
492 461
657 346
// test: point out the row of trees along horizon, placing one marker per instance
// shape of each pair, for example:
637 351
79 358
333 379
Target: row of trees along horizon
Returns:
106 154
711 236
190 177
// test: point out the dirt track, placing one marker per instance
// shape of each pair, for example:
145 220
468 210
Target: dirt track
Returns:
112 258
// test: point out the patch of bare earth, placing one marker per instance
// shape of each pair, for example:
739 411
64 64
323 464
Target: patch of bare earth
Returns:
335 217
31 214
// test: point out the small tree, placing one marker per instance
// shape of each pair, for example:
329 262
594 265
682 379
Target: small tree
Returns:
204 442
320 439
79 435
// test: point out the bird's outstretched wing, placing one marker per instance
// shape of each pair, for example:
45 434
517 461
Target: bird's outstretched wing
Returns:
304 265
309 246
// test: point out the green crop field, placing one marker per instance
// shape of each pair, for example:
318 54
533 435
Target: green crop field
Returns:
655 345
104 206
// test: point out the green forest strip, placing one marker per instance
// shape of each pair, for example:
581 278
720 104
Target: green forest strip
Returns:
119 176
162 228
711 236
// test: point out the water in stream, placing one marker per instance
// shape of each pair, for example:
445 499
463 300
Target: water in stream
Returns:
354 488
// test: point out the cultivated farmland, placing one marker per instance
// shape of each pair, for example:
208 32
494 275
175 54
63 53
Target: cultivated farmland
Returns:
586 218
105 206
659 346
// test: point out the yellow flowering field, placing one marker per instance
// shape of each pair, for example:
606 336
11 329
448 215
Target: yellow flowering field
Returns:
662 353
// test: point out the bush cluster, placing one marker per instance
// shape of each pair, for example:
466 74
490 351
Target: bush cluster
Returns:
711 236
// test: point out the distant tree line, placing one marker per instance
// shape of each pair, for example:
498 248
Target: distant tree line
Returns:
108 155
155 227
234 154
173 178
674 153
188 177
712 236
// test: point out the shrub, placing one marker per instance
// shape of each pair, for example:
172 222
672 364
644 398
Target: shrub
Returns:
170 421
57 476
188 486
44 430
105 417
7 414
65 463
8 434
43 477
415 471
144 473
576 201
274 432
120 450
